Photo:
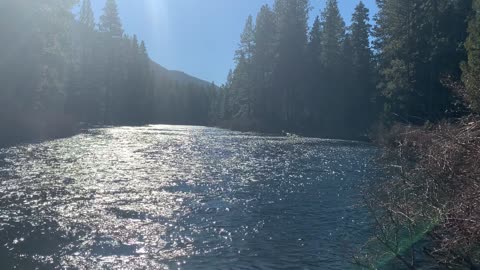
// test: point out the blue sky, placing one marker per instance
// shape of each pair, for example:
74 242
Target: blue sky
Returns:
198 37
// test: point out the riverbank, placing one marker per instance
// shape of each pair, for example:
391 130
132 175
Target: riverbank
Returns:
265 128
428 212
36 127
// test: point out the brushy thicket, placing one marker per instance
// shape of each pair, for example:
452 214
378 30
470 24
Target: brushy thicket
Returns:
430 210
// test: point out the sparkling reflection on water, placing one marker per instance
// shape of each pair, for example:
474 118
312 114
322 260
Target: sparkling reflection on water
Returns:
178 197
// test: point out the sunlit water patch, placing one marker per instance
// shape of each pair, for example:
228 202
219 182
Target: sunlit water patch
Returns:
177 197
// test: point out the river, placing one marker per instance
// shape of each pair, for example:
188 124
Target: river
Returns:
180 197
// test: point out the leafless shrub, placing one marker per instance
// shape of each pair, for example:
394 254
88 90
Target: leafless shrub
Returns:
432 201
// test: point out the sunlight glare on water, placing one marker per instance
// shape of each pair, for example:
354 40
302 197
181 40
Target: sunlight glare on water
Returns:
179 197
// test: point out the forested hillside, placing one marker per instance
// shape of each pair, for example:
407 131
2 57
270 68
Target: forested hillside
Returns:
335 80
329 79
58 69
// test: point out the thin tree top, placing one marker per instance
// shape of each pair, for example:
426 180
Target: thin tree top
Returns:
110 20
86 14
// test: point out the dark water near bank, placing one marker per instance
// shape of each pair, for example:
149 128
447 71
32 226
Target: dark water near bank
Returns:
173 197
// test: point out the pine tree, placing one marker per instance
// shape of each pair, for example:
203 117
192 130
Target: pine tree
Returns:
471 69
363 87
226 105
35 43
314 73
135 45
360 37
242 88
263 61
417 44
246 40
110 20
148 83
114 64
333 108
395 37
143 50
86 15
240 99
315 42
333 34
291 20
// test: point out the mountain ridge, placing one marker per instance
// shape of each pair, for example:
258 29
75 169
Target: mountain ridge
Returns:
177 75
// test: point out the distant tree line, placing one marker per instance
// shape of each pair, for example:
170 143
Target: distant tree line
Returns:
337 81
325 79
57 71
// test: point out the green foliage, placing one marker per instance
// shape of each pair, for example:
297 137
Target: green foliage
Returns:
362 112
336 67
324 80
242 99
246 41
270 64
86 15
418 45
113 81
330 82
333 34
471 69
291 20
289 78
110 20
263 61
315 42
34 45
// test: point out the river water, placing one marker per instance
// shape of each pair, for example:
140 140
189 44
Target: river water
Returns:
179 197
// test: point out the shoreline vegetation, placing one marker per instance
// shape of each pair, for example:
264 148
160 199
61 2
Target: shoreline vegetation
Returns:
411 80
428 210
41 130
258 126
426 213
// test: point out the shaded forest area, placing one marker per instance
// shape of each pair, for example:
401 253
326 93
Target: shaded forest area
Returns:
326 79
58 72
339 81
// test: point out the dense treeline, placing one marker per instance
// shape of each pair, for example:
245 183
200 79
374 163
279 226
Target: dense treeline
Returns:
420 44
336 81
327 79
57 71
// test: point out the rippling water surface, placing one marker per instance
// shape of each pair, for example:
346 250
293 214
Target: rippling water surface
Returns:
177 197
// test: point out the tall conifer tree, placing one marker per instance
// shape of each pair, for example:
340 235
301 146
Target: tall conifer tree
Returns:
333 34
263 62
291 20
362 91
86 15
110 20
333 109
314 74
315 41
